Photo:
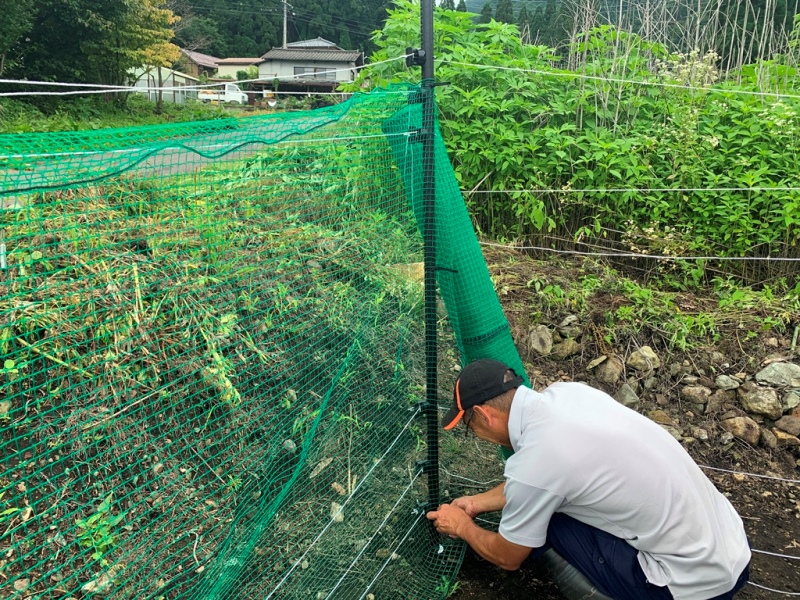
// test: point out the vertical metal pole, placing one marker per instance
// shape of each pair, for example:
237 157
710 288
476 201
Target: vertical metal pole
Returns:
429 219
285 19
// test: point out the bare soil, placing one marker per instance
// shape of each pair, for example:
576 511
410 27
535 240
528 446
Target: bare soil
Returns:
770 508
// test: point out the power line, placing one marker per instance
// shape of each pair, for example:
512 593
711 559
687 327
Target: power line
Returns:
642 190
640 82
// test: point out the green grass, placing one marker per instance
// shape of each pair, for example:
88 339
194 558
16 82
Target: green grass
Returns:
17 116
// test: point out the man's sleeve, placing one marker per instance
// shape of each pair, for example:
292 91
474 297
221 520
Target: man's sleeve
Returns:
527 513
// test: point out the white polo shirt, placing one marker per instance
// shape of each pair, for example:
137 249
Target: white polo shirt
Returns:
581 453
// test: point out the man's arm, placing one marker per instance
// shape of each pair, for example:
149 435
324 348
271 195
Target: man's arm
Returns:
491 500
455 522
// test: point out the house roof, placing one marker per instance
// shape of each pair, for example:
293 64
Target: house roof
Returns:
238 61
204 60
315 43
315 55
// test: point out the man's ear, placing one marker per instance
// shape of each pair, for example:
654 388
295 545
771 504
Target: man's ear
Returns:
485 414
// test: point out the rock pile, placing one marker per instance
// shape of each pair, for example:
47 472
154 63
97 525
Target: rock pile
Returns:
760 408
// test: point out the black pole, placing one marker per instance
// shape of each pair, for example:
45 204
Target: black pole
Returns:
429 240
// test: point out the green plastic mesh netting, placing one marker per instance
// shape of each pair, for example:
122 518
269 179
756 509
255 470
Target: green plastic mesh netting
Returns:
212 352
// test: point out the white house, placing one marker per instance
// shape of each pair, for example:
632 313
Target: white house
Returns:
228 67
148 77
314 65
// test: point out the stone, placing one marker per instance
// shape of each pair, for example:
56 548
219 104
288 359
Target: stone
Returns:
743 428
780 374
650 383
610 371
760 400
675 369
644 360
690 380
540 340
768 439
789 424
726 438
661 417
726 382
673 431
566 349
626 396
337 512
698 394
290 446
790 400
786 440
716 358
700 434
569 327
718 400
103 584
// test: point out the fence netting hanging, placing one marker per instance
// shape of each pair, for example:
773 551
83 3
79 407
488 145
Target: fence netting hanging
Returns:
211 341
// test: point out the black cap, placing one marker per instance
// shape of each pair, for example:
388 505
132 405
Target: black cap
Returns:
479 382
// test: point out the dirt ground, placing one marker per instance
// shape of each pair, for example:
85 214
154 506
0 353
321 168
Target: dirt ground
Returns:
770 508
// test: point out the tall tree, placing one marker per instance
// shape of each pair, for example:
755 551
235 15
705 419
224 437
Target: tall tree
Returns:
448 4
344 40
504 12
462 6
524 23
16 23
486 14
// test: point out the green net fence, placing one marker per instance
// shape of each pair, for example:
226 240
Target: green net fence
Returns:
212 352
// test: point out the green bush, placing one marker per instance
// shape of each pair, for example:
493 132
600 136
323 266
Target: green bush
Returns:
518 123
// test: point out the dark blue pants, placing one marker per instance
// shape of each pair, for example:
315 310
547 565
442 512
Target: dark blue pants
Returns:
609 562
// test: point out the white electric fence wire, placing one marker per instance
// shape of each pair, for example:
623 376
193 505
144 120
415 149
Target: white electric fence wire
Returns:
91 88
635 255
350 497
643 83
305 140
481 483
750 474
789 556
633 190
763 587
372 537
391 556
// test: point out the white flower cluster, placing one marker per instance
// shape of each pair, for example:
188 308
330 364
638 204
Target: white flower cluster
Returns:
693 69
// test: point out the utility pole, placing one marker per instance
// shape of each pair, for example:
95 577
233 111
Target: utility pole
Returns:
285 19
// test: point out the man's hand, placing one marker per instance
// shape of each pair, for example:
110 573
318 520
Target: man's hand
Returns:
469 505
450 520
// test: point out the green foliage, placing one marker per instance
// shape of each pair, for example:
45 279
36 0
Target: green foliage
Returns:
504 12
105 40
16 22
510 130
462 6
98 531
486 14
92 113
448 5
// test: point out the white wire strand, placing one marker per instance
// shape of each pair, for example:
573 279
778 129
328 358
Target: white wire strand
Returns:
643 83
481 483
789 556
386 562
350 497
372 537
652 256
763 587
305 140
634 190
750 474
112 89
